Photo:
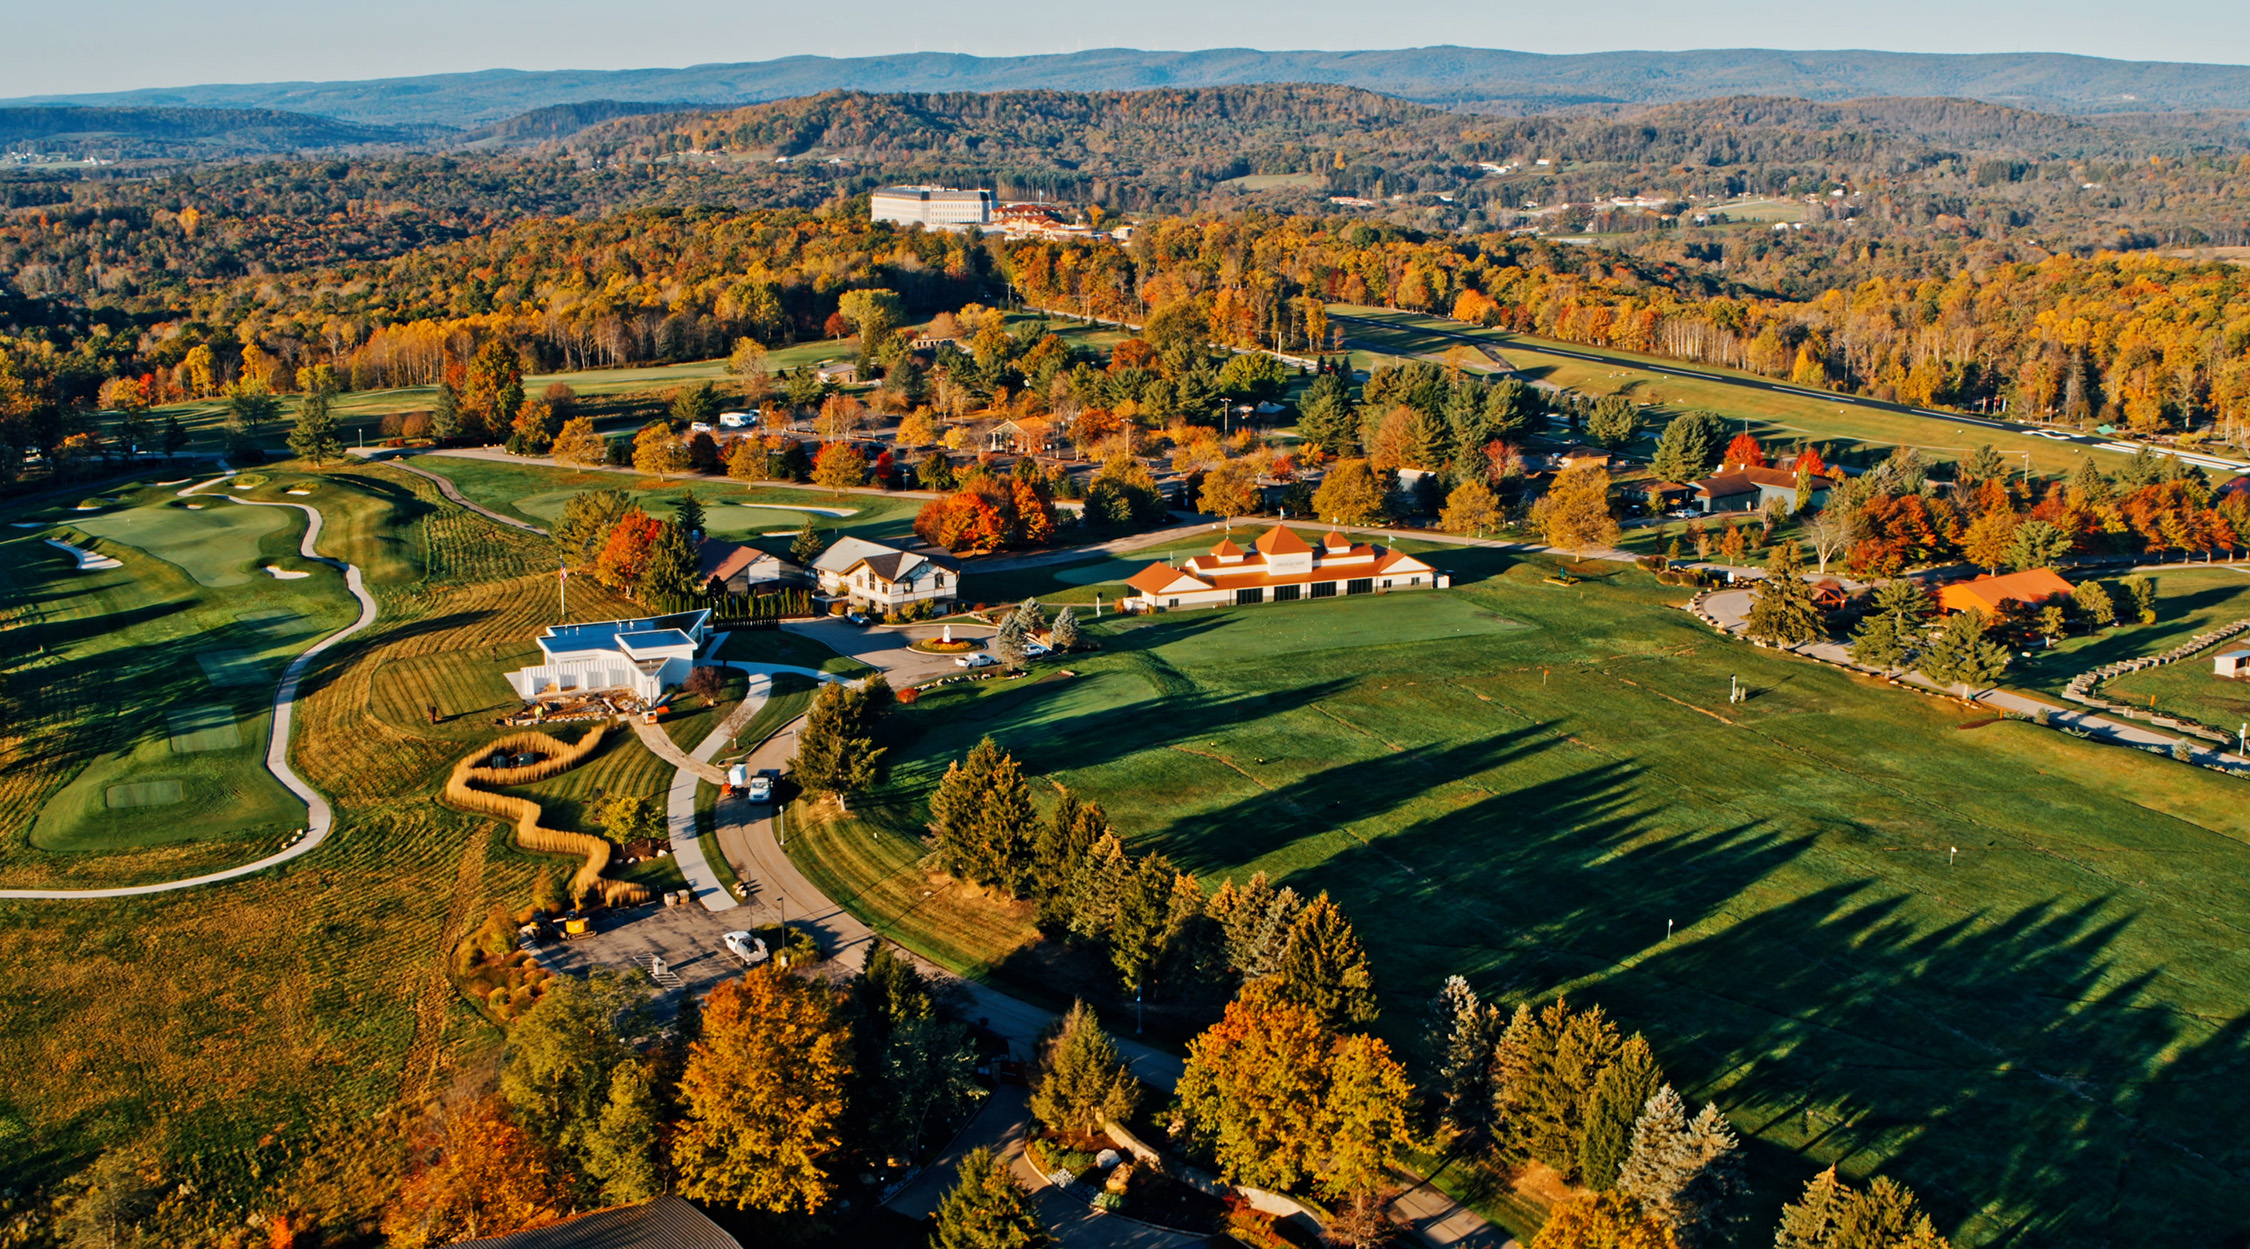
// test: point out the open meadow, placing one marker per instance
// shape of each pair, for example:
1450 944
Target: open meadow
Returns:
1530 785
267 1041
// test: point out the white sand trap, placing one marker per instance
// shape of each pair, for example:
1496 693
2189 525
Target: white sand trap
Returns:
798 507
283 574
779 533
238 486
300 490
181 482
195 507
88 561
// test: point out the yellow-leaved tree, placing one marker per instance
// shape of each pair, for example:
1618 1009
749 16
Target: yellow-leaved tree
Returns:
1575 516
764 1095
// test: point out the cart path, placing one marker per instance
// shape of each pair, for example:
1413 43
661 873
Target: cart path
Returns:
319 819
453 495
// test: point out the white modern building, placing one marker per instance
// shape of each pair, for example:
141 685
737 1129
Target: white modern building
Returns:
1281 568
645 657
936 207
885 578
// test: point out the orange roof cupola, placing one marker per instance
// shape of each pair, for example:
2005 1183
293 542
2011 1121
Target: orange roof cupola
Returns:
1281 540
1336 541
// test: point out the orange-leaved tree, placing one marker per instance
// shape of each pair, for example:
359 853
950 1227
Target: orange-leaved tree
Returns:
764 1095
1744 452
484 1176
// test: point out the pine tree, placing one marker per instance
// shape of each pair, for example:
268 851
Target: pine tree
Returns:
1652 1170
1466 1035
1526 1047
808 544
836 750
1810 1221
985 821
1328 418
1614 422
1552 1120
1065 632
1323 968
1060 845
314 437
1097 887
673 574
1082 1082
1623 1089
1960 655
987 1209
1684 450
687 513
1888 637
1782 610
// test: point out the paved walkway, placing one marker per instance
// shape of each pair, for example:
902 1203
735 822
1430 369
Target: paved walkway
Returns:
1731 608
319 819
453 493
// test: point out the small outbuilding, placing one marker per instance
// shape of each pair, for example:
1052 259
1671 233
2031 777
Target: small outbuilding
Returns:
2234 664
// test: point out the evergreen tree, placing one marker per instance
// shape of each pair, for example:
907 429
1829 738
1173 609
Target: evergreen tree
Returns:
1810 1221
1062 843
1467 1036
1097 887
1065 633
2089 484
315 437
808 544
1620 1093
673 574
2037 544
1614 422
1254 920
1782 609
1652 1170
687 513
1082 1082
1323 968
1959 654
985 821
1685 449
1526 1047
836 750
1982 464
1551 1120
987 1209
1832 1215
1689 1174
587 518
1888 636
1512 408
1326 416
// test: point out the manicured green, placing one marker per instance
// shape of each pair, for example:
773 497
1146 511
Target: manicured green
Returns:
2033 1035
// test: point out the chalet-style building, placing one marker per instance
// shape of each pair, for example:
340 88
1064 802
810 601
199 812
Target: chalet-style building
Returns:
1280 568
885 578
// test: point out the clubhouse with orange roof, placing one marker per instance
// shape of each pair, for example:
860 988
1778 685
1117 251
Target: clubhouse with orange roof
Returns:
1281 567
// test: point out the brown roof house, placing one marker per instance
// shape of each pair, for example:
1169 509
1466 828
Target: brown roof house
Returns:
741 569
1281 567
1745 487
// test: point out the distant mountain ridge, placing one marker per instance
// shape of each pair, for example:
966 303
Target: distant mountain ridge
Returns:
190 131
1476 78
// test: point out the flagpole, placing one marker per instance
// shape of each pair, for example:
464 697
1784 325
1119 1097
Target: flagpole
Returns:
562 588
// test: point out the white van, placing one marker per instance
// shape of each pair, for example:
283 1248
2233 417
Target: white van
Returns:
735 420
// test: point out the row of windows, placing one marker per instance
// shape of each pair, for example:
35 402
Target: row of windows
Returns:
1290 593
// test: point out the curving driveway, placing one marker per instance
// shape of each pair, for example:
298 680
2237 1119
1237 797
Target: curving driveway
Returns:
319 819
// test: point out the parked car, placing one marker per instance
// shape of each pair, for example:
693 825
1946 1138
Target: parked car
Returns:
860 618
1033 650
978 659
734 420
700 427
761 789
751 950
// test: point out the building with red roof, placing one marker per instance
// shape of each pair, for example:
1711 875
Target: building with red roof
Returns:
1280 567
1993 595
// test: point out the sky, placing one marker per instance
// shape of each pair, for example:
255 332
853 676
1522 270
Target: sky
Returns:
110 45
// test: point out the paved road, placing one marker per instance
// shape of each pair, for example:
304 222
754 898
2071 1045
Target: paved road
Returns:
2047 433
1732 610
319 819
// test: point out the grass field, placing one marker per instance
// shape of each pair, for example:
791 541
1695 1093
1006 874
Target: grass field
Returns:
268 1041
1773 416
1525 784
732 510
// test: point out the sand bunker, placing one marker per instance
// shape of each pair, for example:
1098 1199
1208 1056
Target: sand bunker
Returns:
88 561
283 574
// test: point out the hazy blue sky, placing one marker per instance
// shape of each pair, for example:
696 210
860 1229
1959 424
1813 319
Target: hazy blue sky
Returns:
101 45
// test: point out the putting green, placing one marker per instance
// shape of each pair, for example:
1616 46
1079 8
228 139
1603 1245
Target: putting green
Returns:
218 546
144 794
215 793
197 729
230 668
